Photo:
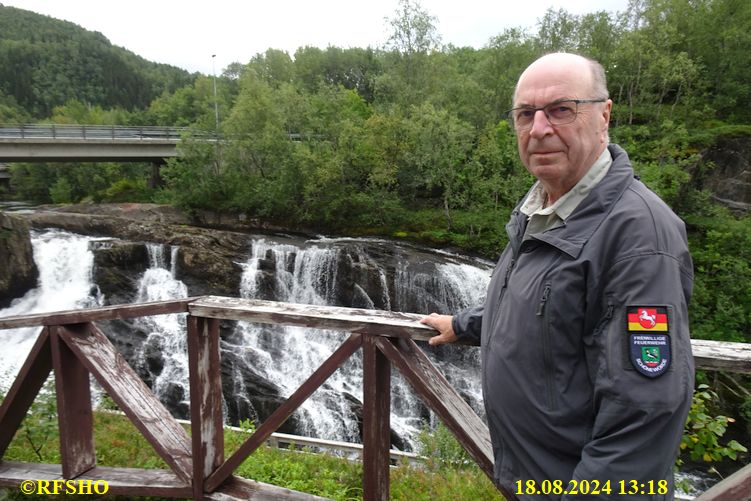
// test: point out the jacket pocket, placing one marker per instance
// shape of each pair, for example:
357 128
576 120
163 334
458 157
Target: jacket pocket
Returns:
601 326
543 311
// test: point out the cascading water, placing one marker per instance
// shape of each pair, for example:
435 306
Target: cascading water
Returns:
165 334
65 264
287 356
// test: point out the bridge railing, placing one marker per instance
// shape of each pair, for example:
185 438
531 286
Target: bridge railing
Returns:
97 132
72 345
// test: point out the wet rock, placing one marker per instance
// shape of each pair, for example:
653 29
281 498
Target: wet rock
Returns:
118 266
18 273
726 172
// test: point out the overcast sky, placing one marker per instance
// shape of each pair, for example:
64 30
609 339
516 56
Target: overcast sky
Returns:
186 33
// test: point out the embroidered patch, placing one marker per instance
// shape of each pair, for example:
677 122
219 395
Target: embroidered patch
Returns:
649 339
648 318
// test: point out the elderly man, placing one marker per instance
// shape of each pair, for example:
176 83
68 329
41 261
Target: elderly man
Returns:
586 359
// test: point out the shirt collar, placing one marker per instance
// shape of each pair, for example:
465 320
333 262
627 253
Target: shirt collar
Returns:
564 206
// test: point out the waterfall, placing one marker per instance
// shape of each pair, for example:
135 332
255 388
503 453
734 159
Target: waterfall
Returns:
65 264
165 334
308 275
376 274
287 356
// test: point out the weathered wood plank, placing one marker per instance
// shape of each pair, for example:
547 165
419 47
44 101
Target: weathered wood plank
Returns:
114 312
376 417
725 356
284 411
440 396
736 486
205 399
238 488
139 481
75 418
319 317
132 395
12 473
25 387
121 481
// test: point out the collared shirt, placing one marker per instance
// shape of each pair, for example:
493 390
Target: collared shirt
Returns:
545 218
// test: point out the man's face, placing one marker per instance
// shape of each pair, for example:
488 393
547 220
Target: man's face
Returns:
560 155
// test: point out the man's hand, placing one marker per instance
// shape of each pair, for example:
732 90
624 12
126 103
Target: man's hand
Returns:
441 323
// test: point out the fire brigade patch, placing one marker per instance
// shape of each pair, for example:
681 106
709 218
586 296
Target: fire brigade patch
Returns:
649 339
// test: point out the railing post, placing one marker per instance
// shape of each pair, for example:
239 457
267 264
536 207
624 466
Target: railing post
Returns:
74 413
376 422
22 393
205 399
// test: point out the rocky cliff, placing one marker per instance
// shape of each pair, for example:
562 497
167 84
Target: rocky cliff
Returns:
728 175
18 273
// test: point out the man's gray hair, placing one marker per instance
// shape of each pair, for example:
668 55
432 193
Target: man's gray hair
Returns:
599 81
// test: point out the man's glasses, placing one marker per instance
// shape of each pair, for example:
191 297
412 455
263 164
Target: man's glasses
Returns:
558 112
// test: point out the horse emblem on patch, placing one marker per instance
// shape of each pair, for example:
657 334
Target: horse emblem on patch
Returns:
649 339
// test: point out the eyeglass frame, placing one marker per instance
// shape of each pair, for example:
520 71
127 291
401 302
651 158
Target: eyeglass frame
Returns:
577 102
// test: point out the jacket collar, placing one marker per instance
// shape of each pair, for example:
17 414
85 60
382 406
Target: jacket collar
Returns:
588 215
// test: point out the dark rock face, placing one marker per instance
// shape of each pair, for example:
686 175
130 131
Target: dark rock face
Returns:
729 179
117 266
18 272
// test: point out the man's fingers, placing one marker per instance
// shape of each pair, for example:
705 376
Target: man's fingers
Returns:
442 339
441 323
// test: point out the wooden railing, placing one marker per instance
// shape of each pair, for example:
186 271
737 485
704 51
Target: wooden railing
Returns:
72 345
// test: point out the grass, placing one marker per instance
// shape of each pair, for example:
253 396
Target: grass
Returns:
118 443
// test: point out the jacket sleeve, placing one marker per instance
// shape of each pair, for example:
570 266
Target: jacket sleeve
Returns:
467 325
639 419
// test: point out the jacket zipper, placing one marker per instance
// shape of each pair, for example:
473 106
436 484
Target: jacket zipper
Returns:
547 351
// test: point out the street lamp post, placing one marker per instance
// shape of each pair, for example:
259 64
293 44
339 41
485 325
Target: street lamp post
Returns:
216 102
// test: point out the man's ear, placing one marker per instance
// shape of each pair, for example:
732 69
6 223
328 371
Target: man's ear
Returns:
606 109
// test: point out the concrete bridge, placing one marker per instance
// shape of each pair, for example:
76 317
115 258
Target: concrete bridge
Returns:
91 143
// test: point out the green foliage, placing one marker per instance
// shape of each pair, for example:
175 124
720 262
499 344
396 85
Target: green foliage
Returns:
40 424
703 431
441 450
66 183
721 249
55 61
61 192
128 190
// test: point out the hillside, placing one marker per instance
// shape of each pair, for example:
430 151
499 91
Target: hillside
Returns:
46 62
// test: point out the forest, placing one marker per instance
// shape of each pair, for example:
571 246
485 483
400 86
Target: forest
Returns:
409 139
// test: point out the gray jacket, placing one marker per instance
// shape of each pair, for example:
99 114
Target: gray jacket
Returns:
587 366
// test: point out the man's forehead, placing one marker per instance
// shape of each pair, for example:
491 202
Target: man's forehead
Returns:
540 88
541 96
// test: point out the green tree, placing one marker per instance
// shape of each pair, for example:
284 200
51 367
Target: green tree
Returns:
441 145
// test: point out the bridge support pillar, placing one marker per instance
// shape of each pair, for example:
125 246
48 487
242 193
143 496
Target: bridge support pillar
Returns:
155 180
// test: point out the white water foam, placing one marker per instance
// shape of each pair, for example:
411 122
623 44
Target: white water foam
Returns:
65 265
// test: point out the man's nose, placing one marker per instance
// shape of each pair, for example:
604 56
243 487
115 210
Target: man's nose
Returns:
540 125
